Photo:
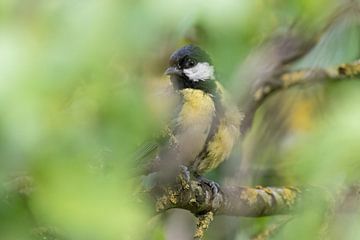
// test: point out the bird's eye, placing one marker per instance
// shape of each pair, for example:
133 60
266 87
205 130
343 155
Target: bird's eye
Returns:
190 63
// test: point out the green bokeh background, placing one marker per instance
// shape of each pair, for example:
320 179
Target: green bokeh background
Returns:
74 106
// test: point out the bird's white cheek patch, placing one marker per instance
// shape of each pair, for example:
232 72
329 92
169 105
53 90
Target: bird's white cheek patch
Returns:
200 72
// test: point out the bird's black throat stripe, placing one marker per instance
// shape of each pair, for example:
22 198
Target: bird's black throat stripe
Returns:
219 114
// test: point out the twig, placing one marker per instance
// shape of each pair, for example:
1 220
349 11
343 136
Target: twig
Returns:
294 78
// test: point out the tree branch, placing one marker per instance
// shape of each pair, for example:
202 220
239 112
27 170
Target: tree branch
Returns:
204 201
289 79
198 197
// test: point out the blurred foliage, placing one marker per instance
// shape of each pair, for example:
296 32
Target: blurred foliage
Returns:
78 84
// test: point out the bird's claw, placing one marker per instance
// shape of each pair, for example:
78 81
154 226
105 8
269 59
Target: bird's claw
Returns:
214 186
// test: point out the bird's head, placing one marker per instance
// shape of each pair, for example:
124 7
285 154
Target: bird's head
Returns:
191 67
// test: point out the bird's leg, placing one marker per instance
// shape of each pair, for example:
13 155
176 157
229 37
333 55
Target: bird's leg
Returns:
184 177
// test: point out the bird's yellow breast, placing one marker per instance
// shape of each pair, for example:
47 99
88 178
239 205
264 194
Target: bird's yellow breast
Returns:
198 107
193 123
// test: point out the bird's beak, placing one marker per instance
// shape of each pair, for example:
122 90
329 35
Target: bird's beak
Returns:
173 71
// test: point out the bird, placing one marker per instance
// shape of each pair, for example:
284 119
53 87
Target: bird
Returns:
205 124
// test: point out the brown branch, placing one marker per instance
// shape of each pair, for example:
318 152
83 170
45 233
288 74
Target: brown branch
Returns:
198 197
290 79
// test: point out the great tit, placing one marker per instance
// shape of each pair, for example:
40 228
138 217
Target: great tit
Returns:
205 125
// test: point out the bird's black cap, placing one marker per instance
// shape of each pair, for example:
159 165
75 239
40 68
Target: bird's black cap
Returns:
191 51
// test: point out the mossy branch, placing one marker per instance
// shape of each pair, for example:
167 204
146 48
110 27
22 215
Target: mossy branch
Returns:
199 198
273 84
